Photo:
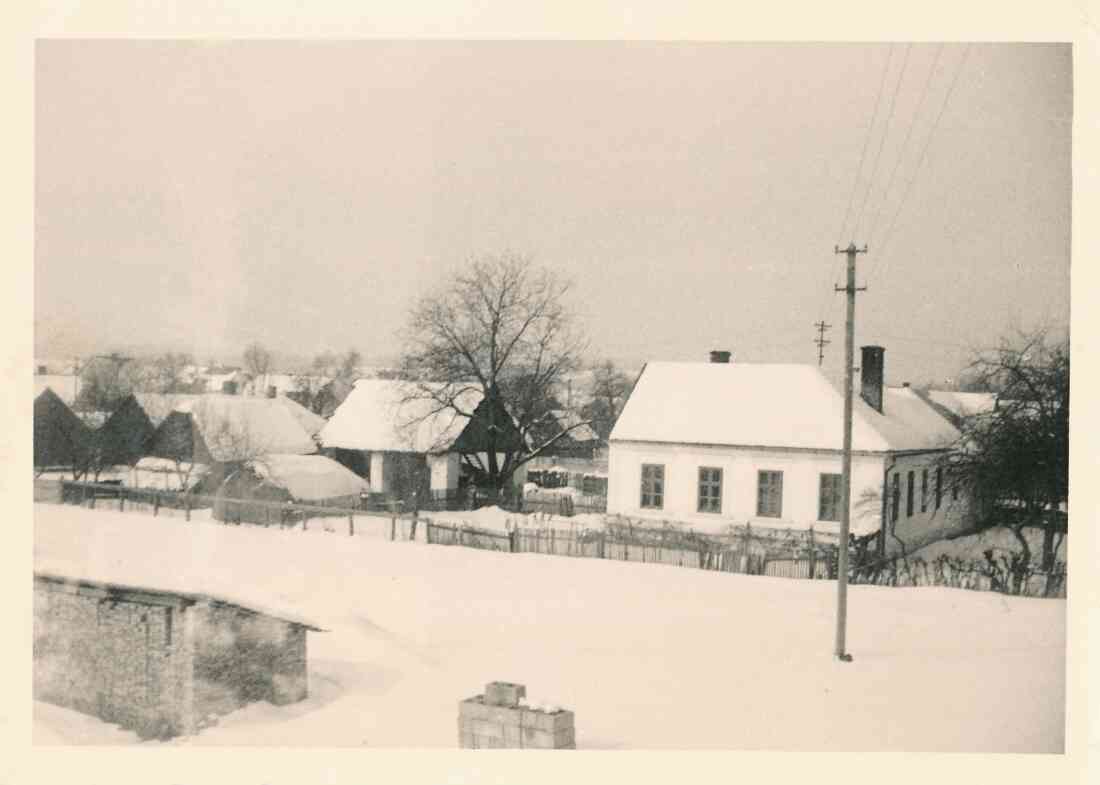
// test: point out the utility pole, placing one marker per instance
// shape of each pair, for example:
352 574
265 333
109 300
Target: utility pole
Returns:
850 290
820 340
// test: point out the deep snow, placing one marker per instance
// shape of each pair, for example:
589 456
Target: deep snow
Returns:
648 656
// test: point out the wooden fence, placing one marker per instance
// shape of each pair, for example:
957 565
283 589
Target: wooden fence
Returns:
750 555
284 515
745 550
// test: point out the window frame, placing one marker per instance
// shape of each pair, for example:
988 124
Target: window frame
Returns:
704 483
837 499
939 487
910 483
924 489
773 494
895 498
652 488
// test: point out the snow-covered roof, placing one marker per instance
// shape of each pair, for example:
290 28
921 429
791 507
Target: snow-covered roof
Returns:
311 477
770 405
151 463
964 404
379 415
230 423
312 423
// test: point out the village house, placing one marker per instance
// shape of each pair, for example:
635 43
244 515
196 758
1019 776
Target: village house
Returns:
405 444
723 443
209 436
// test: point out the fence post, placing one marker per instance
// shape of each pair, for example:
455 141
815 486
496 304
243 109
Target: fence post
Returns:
813 556
351 525
512 541
393 528
121 500
187 507
412 530
156 503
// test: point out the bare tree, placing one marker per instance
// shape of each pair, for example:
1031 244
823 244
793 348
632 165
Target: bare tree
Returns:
610 389
257 360
498 332
1016 457
105 380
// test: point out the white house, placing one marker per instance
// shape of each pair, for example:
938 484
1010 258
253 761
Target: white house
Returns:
720 443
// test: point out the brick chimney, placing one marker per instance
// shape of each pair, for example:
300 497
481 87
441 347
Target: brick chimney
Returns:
720 356
871 374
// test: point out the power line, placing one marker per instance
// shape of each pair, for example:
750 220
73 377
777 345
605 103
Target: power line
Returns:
824 299
866 141
904 144
916 172
885 133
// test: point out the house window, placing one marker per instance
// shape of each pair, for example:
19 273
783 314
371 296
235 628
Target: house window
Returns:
939 486
895 496
924 490
909 496
710 489
829 497
653 485
769 495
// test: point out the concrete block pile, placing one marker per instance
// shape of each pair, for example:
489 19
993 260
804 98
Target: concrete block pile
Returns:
500 719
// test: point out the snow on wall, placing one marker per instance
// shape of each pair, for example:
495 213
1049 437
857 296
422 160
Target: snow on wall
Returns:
801 482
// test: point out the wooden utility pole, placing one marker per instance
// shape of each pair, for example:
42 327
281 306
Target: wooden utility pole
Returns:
850 290
820 340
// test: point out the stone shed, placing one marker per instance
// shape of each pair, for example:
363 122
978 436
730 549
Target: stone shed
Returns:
160 663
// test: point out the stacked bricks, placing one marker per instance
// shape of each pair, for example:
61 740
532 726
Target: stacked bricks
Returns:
497 720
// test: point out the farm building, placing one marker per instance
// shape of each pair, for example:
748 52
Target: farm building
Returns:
307 479
160 662
406 444
61 440
720 443
215 434
122 439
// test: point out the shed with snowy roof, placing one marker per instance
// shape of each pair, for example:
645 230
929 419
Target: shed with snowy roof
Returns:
725 443
411 437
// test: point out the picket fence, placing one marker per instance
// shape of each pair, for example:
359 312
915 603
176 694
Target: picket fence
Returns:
390 525
745 550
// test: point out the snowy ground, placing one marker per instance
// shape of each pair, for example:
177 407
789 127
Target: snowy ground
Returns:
647 656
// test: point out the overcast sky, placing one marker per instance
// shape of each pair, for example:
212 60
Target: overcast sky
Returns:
200 196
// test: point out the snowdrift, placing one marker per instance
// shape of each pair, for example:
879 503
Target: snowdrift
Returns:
649 657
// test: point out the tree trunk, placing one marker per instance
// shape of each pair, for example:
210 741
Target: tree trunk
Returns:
1048 544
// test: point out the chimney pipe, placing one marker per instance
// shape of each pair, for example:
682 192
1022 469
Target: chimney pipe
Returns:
720 356
871 375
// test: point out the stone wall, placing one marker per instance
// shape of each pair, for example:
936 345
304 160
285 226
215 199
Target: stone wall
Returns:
156 663
127 662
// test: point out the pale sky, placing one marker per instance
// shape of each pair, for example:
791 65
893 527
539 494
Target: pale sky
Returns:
200 196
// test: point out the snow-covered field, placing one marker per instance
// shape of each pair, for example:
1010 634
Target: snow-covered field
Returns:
647 656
